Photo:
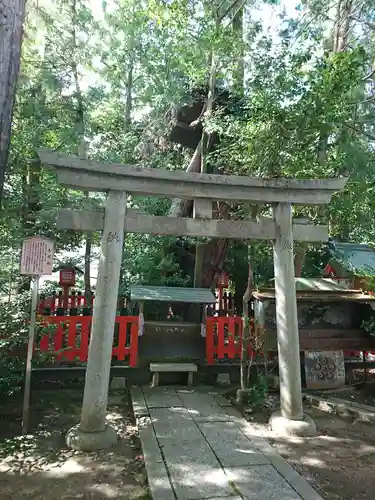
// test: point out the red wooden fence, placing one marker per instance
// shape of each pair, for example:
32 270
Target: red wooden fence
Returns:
56 301
224 338
70 338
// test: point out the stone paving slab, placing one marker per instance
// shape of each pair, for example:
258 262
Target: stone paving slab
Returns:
230 445
188 455
158 481
174 423
221 400
161 397
157 474
203 407
147 434
261 482
197 483
301 486
202 451
138 402
228 498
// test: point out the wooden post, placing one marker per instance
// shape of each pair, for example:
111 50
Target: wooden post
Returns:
93 433
202 209
30 349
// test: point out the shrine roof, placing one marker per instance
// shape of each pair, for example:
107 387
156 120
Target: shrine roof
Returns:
172 294
318 289
353 257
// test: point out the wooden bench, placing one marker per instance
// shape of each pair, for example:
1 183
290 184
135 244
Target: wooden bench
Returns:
156 368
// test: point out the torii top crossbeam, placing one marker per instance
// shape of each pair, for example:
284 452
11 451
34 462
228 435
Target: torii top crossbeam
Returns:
90 175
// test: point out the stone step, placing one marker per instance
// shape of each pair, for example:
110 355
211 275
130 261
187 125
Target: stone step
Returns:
173 367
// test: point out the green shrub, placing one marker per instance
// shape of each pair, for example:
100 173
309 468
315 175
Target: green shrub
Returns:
14 331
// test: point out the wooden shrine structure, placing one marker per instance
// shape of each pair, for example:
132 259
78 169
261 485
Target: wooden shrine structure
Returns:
114 220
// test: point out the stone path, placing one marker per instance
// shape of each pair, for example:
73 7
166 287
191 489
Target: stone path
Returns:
197 446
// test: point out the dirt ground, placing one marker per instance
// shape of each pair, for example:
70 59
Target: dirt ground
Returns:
363 396
359 392
339 463
40 466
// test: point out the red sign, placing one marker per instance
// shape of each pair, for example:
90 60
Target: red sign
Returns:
223 280
67 277
37 256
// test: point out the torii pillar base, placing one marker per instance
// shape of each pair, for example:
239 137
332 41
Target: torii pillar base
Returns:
287 427
91 441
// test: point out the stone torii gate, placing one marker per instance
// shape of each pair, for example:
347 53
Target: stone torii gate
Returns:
114 220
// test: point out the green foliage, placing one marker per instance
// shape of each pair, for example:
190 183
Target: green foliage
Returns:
255 395
274 132
258 392
14 334
304 111
369 326
13 344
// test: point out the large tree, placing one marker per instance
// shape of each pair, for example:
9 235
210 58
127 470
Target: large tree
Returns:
12 13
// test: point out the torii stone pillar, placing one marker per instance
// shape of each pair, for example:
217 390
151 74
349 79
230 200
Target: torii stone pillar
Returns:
291 420
93 433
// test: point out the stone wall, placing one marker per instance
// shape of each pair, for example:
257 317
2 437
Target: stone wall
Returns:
319 316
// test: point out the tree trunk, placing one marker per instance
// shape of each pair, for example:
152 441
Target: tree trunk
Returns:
213 260
87 276
206 144
82 146
299 258
239 72
246 335
342 25
129 105
130 76
183 208
340 37
210 257
31 205
12 14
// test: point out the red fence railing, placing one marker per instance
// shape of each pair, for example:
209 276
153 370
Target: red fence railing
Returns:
74 304
224 339
74 301
69 338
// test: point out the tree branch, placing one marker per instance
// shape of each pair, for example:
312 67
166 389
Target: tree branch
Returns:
370 75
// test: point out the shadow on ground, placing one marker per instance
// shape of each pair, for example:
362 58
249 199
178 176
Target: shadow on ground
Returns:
339 462
40 466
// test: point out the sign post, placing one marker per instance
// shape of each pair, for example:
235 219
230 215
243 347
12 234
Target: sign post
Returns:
36 261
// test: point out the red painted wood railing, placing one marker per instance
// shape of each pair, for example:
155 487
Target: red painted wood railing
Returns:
53 302
224 338
70 338
223 334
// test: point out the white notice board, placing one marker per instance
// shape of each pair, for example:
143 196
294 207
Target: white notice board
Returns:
37 256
